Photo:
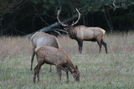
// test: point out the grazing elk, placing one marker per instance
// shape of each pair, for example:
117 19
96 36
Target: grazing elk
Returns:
82 33
59 58
41 39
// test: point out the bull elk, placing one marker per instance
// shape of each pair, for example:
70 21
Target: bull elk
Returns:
41 39
82 33
54 56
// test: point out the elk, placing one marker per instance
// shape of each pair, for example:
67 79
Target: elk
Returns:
82 33
59 58
41 39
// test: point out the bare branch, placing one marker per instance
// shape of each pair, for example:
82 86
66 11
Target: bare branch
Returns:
115 7
48 28
57 32
39 15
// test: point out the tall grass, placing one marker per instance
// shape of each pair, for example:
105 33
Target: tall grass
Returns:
114 70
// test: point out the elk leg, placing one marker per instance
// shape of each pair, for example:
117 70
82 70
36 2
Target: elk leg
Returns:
59 72
100 45
50 70
39 67
32 59
105 45
35 73
80 44
66 70
67 76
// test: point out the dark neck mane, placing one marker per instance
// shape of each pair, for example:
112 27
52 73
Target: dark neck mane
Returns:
71 33
70 67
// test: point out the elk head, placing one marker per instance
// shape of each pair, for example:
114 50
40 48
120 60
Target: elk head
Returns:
76 74
69 28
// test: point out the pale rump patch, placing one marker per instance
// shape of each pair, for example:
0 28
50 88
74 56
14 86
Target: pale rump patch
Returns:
103 31
33 36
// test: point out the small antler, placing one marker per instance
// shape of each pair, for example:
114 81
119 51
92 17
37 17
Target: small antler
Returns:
78 17
58 18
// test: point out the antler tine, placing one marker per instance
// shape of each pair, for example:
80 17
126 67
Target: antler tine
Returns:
79 14
58 18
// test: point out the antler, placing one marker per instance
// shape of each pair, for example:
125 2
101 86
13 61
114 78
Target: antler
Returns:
58 18
78 17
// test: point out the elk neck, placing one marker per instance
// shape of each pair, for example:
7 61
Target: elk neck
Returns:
71 32
70 67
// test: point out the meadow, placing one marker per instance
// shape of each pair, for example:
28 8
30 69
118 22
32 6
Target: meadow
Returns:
114 70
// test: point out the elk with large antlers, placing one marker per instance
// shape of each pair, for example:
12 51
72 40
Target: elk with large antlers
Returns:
41 39
82 33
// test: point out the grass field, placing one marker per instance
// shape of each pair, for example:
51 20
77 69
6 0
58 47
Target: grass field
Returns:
114 70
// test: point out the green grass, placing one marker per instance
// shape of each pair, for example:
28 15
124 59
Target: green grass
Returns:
114 70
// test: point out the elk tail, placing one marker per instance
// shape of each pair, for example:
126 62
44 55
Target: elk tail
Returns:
36 49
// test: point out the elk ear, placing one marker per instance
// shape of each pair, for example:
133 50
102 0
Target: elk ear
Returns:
76 67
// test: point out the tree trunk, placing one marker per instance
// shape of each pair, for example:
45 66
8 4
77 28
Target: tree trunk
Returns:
108 20
51 27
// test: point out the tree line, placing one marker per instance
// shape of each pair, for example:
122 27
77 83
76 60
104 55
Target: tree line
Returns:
21 17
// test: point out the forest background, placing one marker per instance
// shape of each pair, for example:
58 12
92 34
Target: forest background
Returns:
114 70
22 17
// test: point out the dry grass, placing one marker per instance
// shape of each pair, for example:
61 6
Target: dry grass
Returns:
14 46
98 71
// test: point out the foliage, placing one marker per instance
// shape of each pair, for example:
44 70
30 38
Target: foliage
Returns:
32 15
6 6
84 5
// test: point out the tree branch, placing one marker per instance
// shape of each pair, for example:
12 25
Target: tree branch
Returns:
39 15
51 27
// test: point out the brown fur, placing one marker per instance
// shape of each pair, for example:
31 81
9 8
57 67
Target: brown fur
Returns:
57 57
82 33
41 39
